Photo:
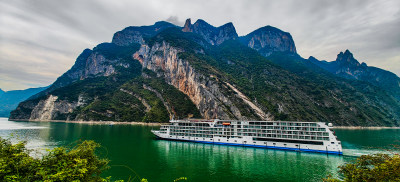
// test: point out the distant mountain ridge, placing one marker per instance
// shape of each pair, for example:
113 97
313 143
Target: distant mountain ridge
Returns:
347 66
9 100
151 73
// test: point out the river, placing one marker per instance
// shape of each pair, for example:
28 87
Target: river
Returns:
134 148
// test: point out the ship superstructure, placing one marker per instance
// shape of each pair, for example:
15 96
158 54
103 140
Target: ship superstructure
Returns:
286 135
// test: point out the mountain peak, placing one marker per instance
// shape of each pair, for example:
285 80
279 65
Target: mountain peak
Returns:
201 21
269 39
228 26
188 26
312 58
347 59
269 28
213 35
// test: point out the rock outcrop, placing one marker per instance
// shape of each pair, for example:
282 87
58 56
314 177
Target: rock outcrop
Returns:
49 109
268 39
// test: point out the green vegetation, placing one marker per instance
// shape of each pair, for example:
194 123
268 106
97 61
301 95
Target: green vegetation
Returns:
120 98
374 167
112 51
79 163
188 41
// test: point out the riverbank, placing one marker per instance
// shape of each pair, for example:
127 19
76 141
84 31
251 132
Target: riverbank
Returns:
96 122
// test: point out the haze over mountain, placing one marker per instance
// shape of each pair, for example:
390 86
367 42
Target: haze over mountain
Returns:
151 73
9 100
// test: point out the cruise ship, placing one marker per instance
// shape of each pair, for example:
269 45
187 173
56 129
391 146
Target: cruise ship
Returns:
284 135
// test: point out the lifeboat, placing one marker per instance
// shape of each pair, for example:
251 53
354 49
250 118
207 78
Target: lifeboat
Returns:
226 124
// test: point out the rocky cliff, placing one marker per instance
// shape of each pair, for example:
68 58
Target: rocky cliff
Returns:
204 92
268 39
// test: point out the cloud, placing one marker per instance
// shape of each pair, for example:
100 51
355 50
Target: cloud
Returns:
40 40
175 20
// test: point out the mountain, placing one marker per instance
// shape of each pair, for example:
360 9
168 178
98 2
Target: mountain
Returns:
347 66
11 99
268 39
152 73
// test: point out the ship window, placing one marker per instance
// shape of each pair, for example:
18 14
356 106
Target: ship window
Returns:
332 142
290 141
219 140
254 142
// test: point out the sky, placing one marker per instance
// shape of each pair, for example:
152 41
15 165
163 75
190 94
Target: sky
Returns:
41 39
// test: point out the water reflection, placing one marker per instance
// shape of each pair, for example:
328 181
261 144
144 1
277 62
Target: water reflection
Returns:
230 163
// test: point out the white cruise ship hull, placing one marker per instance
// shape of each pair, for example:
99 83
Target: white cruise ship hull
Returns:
259 139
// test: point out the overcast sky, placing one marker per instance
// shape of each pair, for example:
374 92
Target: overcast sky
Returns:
40 39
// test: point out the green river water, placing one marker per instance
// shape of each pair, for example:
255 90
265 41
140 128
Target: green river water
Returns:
134 148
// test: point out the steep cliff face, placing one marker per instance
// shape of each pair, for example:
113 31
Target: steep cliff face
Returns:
213 35
347 66
204 92
267 40
49 108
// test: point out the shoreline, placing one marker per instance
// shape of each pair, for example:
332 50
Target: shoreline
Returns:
159 124
94 122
